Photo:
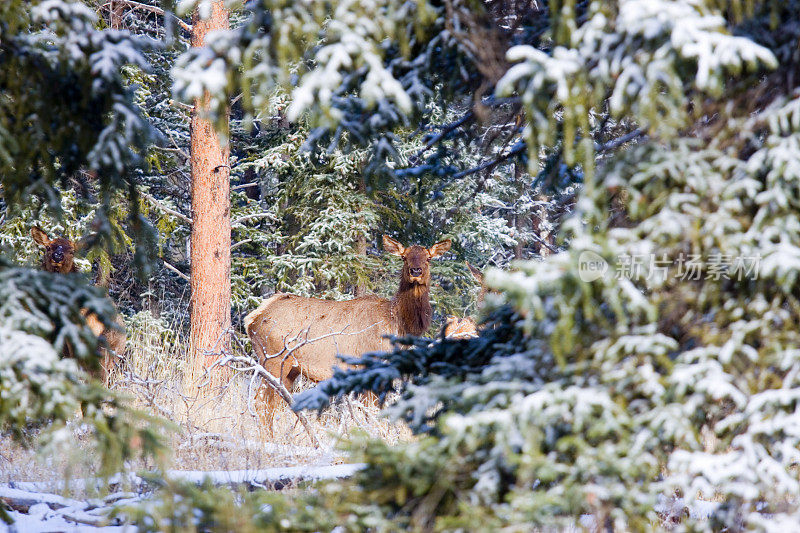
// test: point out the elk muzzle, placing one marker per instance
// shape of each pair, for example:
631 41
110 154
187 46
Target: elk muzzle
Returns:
58 255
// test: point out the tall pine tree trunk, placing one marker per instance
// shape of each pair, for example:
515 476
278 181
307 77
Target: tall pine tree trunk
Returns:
211 237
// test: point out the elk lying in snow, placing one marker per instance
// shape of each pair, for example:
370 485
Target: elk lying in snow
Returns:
465 328
323 329
59 254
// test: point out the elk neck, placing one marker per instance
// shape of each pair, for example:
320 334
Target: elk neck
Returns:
411 308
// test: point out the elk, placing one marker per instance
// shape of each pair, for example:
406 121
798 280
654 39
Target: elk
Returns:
465 328
456 328
59 258
351 327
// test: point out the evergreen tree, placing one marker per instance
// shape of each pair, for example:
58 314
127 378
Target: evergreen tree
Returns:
598 392
67 118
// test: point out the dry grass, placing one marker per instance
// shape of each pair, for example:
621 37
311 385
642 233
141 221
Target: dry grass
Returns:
220 429
216 432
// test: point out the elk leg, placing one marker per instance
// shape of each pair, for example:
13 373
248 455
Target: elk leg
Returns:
369 399
269 398
107 366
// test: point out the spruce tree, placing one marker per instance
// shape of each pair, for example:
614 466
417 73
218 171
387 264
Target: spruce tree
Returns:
595 391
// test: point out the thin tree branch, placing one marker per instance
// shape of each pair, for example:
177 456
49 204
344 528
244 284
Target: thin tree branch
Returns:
545 243
166 209
518 148
245 218
244 186
446 130
178 272
271 380
240 243
619 141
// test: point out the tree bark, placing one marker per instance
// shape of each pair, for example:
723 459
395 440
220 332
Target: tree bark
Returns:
210 312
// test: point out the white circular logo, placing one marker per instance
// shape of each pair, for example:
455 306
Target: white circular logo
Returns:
591 266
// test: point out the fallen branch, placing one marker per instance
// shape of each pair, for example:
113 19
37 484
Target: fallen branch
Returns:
275 478
22 500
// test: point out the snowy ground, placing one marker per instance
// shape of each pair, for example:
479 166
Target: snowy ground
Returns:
38 511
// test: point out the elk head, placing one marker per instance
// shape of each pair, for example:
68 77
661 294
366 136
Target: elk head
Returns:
59 253
416 259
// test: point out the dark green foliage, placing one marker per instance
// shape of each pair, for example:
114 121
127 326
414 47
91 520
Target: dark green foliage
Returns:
67 122
66 113
183 506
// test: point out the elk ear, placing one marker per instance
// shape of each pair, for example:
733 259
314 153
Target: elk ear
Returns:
439 248
475 273
392 246
39 236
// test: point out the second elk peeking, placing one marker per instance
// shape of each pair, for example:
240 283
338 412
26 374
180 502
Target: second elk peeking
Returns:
59 258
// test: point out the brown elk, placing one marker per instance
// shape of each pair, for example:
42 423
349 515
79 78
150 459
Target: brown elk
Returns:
59 257
456 328
322 329
465 328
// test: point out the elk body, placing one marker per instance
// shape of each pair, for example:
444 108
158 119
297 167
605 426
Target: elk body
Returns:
59 257
294 335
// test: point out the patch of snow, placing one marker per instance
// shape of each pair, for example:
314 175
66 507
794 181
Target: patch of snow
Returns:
268 475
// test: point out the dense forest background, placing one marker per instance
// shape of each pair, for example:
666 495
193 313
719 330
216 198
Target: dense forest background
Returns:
541 137
308 220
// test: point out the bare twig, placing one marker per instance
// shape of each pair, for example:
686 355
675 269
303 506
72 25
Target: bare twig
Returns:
240 243
154 201
248 363
272 381
244 186
619 141
178 272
